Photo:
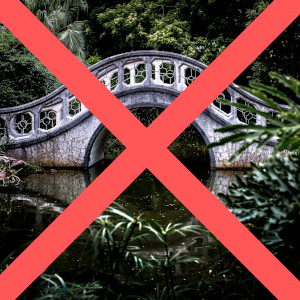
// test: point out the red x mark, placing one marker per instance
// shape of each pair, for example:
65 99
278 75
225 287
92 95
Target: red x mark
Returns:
147 149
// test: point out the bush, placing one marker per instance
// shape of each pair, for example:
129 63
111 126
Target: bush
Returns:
267 201
22 78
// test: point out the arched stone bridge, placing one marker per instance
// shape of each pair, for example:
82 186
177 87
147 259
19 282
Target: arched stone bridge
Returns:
58 131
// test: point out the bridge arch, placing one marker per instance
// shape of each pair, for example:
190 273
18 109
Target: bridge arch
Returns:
95 150
58 131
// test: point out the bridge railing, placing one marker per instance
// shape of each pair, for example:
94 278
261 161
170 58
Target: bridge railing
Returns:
140 70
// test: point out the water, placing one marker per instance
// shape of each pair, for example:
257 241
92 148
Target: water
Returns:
27 210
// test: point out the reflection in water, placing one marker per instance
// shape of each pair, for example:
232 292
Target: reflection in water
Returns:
27 211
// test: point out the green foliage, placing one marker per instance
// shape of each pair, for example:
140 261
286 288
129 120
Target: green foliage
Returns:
73 38
107 241
162 232
8 176
147 115
267 201
122 272
167 265
22 78
190 138
93 59
199 29
144 26
61 17
210 49
180 27
55 287
171 35
282 56
284 127
113 147
117 269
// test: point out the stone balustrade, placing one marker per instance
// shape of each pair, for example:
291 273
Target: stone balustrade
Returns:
135 70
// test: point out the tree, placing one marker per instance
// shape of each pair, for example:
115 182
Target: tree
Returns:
22 78
141 25
61 17
282 56
93 30
194 28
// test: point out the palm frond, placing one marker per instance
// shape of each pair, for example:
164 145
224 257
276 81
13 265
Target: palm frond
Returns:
61 18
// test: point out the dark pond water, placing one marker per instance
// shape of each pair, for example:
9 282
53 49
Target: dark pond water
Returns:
27 210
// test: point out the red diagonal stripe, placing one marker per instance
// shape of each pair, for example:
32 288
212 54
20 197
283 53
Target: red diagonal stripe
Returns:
224 225
68 69
73 221
224 69
147 145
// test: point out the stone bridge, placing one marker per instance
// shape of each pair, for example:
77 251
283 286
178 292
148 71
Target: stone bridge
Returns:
58 131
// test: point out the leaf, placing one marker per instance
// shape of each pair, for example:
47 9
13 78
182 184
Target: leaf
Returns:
285 129
120 213
288 81
295 145
251 109
261 87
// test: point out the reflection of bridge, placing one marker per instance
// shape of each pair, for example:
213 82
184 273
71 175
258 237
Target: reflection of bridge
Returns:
63 187
58 131
45 196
